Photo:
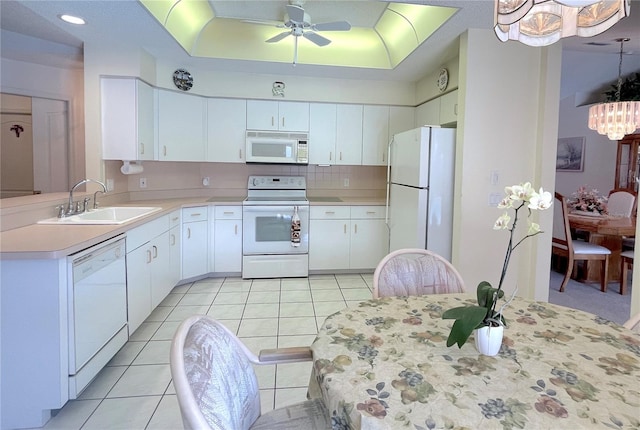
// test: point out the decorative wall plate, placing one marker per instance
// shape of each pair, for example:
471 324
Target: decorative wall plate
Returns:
183 79
443 79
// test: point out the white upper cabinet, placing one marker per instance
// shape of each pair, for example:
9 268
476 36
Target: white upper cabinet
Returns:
276 115
449 108
181 126
128 126
226 125
428 113
349 135
322 133
401 118
375 135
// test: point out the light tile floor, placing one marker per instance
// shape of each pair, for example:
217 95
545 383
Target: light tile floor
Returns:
134 390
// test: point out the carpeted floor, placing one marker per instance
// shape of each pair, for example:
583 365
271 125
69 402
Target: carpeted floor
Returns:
588 297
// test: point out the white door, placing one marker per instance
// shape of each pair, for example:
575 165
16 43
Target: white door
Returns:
407 217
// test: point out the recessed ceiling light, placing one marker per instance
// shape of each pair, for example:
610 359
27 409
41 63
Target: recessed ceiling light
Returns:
72 19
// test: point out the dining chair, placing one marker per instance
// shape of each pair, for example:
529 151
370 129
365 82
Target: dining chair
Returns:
622 203
575 250
216 384
633 323
626 263
414 272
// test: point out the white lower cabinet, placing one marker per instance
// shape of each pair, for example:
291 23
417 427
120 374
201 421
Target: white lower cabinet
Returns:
369 237
149 277
343 237
228 239
195 243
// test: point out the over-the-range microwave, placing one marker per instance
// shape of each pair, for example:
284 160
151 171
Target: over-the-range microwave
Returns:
277 147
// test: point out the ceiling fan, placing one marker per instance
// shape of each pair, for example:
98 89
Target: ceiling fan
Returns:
298 23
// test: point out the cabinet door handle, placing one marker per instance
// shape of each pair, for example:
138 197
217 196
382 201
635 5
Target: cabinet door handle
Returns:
283 121
455 109
355 228
371 212
236 230
164 150
155 252
175 218
149 258
345 229
229 212
196 214
240 154
340 155
141 148
272 121
329 213
330 156
173 239
188 232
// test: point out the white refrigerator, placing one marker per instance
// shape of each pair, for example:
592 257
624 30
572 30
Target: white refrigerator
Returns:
420 177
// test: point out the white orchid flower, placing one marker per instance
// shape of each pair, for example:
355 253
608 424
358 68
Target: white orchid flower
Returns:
505 203
520 192
502 222
534 228
541 200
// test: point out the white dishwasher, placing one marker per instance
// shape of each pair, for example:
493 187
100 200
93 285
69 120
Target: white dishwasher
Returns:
97 310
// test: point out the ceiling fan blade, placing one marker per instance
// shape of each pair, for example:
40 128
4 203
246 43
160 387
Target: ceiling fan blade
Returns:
316 38
332 26
278 37
296 13
260 22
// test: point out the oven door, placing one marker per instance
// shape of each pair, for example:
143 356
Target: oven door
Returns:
267 230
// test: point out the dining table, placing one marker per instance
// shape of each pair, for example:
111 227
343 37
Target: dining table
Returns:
607 231
384 364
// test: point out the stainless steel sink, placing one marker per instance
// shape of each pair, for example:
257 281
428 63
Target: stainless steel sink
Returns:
107 215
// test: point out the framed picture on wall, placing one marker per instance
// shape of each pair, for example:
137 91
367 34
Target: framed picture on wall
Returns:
570 155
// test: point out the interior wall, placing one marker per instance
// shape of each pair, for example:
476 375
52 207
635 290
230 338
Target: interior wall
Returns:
427 87
504 133
599 152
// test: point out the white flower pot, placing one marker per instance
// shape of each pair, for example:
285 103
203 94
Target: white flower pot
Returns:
489 339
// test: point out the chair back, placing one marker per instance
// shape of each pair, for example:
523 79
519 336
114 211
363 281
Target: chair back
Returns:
413 272
215 383
561 228
621 203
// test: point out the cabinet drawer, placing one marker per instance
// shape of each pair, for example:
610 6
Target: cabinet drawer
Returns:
138 236
174 218
329 212
364 212
198 213
228 212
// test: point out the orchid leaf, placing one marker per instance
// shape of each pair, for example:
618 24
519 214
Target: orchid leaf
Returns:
467 319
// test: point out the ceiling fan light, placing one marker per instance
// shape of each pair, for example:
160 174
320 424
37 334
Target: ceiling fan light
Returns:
546 21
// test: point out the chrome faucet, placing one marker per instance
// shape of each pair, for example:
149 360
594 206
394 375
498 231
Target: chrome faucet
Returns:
70 209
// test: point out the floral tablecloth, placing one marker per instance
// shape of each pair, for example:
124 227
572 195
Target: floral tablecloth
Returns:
385 364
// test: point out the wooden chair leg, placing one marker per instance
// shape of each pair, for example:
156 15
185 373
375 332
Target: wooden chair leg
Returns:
567 275
605 274
623 275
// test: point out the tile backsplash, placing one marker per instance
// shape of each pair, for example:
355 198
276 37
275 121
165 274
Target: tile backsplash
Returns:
183 179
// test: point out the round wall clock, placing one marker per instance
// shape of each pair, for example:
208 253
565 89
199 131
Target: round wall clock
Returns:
183 79
443 79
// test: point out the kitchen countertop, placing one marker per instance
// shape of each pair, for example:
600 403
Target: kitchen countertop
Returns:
42 241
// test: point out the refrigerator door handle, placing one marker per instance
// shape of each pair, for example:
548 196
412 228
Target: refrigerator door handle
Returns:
386 208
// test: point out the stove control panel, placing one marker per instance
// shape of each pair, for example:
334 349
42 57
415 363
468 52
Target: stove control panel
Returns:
277 183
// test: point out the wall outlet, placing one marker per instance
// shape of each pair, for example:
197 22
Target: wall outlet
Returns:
206 181
143 182
109 184
346 182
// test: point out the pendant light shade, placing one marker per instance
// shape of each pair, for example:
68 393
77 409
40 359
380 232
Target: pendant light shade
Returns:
543 22
618 118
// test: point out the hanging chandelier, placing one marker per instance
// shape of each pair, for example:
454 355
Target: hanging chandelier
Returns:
543 22
619 118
